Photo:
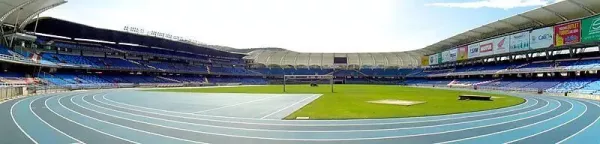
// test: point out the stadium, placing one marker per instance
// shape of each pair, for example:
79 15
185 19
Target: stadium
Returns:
529 78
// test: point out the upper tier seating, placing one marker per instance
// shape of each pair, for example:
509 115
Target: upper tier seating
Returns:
68 59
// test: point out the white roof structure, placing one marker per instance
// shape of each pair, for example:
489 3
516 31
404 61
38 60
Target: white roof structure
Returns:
17 12
282 57
544 16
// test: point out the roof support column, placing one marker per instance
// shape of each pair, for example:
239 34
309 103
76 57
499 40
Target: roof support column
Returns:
37 20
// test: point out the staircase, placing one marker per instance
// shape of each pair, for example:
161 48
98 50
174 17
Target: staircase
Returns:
169 79
208 70
486 82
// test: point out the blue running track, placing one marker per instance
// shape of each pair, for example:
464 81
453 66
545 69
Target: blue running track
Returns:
131 116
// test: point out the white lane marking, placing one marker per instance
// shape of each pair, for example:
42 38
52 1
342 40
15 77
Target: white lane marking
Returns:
281 139
586 108
19 126
288 106
235 128
508 129
287 124
60 103
49 108
31 110
228 106
595 121
359 120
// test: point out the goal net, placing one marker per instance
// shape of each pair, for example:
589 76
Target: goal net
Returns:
310 80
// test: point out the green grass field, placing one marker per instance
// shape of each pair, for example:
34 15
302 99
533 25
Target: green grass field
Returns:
350 101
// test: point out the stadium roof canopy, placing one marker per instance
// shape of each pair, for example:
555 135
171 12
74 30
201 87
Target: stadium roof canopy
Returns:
58 27
544 16
16 12
285 57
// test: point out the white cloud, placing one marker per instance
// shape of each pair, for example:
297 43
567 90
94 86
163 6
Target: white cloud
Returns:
503 4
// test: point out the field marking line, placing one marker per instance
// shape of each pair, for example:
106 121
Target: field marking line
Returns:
31 109
147 132
19 126
281 139
233 105
46 104
353 120
288 106
536 102
457 140
584 111
586 127
302 131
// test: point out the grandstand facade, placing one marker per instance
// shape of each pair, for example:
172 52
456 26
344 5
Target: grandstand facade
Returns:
54 52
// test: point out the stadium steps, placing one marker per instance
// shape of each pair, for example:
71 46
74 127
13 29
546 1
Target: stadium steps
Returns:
206 80
135 62
486 82
169 79
118 50
361 73
522 65
332 72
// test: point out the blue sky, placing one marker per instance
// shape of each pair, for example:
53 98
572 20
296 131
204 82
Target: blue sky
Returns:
300 25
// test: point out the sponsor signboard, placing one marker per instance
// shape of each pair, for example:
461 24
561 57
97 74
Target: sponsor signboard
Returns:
541 38
486 48
519 42
568 33
590 29
452 54
501 45
463 53
473 51
445 56
440 60
424 60
433 59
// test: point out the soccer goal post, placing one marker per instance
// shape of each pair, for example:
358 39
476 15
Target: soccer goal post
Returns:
313 79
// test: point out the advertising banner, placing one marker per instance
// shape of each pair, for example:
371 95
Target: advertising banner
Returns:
519 42
486 48
439 56
501 45
473 50
568 33
445 56
424 60
541 38
433 59
463 53
453 53
590 29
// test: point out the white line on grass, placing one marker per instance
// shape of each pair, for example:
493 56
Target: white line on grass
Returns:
233 105
288 106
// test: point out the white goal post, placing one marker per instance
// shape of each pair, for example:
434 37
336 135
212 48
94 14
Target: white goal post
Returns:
308 77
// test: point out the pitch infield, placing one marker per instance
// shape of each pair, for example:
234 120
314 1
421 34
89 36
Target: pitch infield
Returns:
351 101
